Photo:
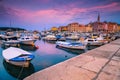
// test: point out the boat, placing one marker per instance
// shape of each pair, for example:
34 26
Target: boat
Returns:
27 40
13 43
17 56
60 38
71 45
73 37
93 42
50 38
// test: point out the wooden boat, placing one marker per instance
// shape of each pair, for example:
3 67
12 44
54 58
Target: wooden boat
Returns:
17 56
71 45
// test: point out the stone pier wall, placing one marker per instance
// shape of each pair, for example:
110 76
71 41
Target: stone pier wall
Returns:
102 63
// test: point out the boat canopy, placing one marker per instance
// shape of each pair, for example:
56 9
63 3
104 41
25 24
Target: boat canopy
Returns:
13 52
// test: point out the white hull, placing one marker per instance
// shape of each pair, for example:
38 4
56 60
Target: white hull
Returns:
28 42
11 43
95 43
73 47
70 46
22 64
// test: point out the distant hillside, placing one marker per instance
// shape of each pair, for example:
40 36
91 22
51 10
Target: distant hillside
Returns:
11 28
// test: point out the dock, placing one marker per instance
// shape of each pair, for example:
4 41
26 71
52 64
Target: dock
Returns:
102 63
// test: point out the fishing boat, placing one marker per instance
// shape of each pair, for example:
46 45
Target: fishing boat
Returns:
17 56
71 45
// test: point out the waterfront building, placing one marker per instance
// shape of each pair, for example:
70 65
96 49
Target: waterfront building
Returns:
118 27
99 26
62 28
54 29
75 27
88 28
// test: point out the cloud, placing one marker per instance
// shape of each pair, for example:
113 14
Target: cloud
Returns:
108 7
60 15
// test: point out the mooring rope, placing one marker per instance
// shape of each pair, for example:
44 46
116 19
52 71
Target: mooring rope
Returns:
20 73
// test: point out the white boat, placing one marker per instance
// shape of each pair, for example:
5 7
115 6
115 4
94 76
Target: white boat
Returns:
93 42
72 37
50 38
17 56
11 43
71 45
27 40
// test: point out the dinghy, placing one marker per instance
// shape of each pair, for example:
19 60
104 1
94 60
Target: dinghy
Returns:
17 56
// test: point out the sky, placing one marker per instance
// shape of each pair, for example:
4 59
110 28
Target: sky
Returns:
44 14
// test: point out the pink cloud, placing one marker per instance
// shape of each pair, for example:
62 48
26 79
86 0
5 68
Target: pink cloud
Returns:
49 16
109 7
106 6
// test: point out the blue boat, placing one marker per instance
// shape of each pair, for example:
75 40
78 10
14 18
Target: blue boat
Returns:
17 56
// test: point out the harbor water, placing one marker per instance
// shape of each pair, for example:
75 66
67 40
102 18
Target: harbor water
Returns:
46 55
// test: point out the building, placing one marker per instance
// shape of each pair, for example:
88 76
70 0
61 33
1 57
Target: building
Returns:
54 29
89 28
99 26
62 28
119 27
75 27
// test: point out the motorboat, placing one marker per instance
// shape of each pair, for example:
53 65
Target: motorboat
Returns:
93 42
17 56
13 43
27 40
72 37
50 38
71 45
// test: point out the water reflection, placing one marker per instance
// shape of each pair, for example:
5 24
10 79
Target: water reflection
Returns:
18 72
28 47
52 42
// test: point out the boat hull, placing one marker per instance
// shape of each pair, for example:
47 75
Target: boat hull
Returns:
95 43
28 42
75 48
11 43
70 46
20 63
